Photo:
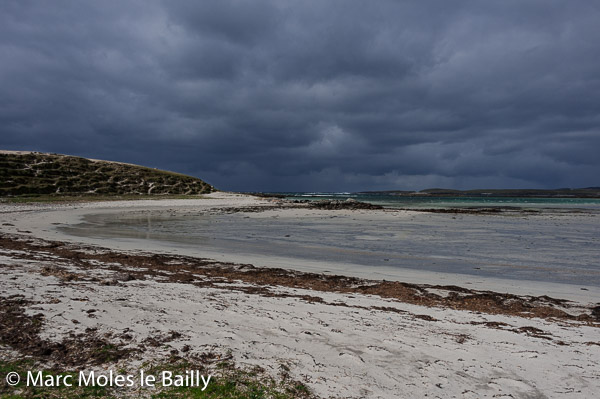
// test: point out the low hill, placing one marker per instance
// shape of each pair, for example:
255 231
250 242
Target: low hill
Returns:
35 173
589 192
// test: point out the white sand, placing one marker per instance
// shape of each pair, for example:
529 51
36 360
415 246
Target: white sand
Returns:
348 352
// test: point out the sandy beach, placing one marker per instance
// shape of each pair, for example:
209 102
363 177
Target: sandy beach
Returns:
339 329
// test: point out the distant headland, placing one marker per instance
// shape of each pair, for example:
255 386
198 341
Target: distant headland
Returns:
588 192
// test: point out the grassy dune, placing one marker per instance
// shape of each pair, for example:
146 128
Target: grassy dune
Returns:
52 175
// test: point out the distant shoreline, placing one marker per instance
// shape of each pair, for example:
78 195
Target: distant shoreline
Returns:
587 192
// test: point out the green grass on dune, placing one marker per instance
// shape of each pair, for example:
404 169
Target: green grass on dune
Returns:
39 175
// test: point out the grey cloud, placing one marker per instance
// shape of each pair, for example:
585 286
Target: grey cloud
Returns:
315 95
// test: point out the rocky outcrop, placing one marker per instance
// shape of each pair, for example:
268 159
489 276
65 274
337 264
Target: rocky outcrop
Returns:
348 204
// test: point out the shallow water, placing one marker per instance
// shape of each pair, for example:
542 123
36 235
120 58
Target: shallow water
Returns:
560 248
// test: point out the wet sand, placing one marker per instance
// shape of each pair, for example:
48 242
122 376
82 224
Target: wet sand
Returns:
555 253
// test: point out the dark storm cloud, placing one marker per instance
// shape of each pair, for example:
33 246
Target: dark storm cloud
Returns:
312 95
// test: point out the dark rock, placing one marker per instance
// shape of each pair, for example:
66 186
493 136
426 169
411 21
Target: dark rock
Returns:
348 204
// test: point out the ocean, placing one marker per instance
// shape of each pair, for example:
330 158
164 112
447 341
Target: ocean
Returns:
443 202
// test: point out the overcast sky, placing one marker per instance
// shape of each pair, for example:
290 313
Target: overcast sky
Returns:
311 95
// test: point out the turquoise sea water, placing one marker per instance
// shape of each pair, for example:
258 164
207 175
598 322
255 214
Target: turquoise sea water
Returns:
426 201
